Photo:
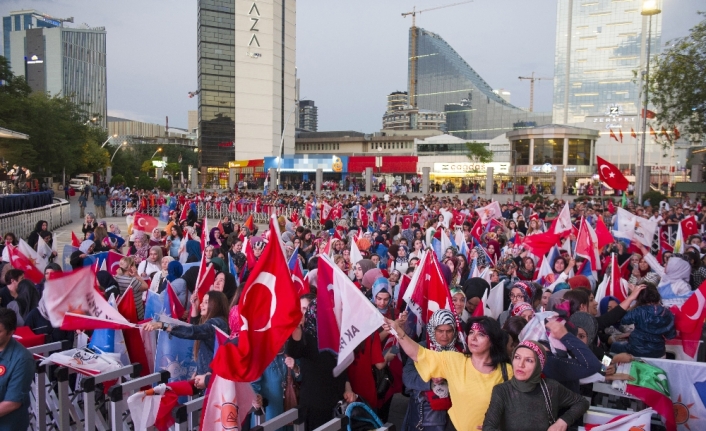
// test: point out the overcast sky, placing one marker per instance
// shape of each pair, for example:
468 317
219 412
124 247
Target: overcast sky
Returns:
350 54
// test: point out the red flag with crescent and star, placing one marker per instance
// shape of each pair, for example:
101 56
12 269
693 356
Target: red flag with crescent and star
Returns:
269 310
20 261
689 226
632 133
611 175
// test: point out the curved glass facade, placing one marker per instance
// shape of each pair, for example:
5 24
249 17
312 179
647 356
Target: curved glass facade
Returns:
445 82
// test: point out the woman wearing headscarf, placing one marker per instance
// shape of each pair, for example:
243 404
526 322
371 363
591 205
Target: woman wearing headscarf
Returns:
241 269
469 377
530 402
85 249
360 269
518 293
587 331
525 270
159 277
480 257
152 265
225 283
193 251
474 289
674 287
429 400
320 390
399 262
156 238
108 284
33 238
141 247
642 273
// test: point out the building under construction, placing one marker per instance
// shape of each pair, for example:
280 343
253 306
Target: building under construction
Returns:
440 80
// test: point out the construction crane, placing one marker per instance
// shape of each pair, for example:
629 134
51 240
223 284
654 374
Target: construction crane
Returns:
531 79
413 57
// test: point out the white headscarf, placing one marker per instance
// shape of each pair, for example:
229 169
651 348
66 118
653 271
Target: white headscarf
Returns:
677 269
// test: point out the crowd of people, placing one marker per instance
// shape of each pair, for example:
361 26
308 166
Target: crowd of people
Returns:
466 370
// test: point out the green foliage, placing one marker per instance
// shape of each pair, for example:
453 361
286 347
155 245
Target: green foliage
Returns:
678 83
145 182
117 179
533 198
146 166
59 137
654 196
164 184
129 179
478 153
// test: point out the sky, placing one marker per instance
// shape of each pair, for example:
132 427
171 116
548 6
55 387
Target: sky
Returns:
350 54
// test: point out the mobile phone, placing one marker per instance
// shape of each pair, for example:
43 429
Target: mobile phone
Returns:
606 362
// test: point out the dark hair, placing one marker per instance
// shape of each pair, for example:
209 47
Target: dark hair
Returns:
576 298
14 238
54 266
650 295
513 326
13 274
308 296
693 258
562 258
313 263
8 319
498 350
217 307
27 297
179 231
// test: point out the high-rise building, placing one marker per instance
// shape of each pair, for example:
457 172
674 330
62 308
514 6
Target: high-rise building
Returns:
308 116
246 53
397 100
504 94
59 60
192 121
599 44
440 77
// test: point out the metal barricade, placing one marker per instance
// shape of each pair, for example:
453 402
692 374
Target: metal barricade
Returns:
118 394
184 415
22 223
39 395
88 386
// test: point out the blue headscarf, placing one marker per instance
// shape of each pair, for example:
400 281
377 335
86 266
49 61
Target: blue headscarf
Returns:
174 270
603 305
193 249
381 285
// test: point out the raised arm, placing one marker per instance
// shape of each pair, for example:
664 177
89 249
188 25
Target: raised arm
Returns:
406 343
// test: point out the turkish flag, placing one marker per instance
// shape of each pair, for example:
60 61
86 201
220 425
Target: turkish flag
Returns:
603 234
269 310
113 262
299 282
620 132
677 135
406 222
20 261
325 212
363 216
614 285
184 211
632 133
204 234
477 230
689 226
133 337
650 114
74 240
176 308
144 222
611 175
205 279
249 254
457 219
587 245
540 244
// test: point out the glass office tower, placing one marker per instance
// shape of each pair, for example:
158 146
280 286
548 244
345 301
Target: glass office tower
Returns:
599 44
443 81
216 81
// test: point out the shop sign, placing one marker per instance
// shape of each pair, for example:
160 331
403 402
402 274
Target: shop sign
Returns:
548 168
467 168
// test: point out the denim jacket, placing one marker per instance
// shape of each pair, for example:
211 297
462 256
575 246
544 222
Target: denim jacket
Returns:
207 337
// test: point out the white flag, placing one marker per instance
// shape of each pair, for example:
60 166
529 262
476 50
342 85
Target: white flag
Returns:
43 254
645 231
495 299
563 222
227 404
640 421
490 211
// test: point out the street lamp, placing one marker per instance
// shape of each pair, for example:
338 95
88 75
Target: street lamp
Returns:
118 149
649 8
280 156
155 153
90 120
108 140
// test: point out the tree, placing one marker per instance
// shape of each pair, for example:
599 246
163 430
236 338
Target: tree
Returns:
478 153
145 182
60 137
677 83
164 184
117 179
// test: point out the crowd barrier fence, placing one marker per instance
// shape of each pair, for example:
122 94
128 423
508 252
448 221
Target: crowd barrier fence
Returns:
22 223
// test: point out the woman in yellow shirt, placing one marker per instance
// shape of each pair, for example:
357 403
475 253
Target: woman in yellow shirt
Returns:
471 376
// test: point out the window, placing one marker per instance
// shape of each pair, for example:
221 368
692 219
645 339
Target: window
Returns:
579 152
548 151
522 146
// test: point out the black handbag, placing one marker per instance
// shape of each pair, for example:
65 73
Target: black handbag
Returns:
383 380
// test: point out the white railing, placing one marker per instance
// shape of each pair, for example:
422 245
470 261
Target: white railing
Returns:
22 223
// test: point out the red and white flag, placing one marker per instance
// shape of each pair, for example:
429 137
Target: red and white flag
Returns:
85 362
153 407
269 310
562 224
427 291
345 316
301 284
611 175
20 260
74 292
113 262
144 223
205 278
74 240
204 234
490 211
227 404
640 421
587 245
477 230
689 226
325 211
